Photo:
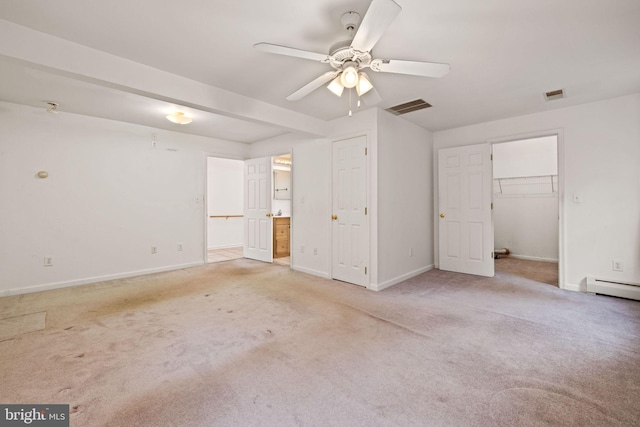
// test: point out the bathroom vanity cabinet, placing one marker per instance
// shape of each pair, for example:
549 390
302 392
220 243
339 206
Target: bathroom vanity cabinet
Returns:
281 228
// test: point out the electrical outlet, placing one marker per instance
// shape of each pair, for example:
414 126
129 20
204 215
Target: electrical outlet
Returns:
302 249
618 265
154 140
154 250
48 261
577 198
179 246
198 199
315 251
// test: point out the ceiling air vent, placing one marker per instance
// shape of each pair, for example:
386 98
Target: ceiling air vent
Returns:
554 94
407 107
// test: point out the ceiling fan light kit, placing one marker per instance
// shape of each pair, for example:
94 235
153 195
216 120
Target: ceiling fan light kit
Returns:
349 76
336 86
349 58
364 84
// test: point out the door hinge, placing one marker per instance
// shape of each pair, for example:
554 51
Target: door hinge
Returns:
491 156
365 151
365 211
491 205
365 270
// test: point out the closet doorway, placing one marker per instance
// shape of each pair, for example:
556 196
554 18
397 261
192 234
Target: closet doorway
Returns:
526 208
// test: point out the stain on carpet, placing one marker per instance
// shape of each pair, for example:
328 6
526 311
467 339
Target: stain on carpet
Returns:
13 326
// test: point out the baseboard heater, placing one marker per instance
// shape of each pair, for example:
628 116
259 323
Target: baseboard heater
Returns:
616 289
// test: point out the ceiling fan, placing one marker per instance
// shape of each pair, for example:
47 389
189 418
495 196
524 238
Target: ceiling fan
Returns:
350 57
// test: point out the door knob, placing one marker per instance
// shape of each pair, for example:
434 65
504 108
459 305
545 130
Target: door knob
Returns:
269 214
441 215
334 217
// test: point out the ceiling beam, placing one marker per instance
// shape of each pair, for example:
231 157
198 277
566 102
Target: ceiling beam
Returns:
59 56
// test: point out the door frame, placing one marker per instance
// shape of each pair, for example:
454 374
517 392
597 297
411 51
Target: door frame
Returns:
559 134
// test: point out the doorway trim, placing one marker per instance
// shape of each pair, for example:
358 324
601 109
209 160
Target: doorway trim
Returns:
559 134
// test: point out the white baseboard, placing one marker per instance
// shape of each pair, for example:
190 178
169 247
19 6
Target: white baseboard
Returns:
88 280
311 271
399 279
532 258
572 287
239 245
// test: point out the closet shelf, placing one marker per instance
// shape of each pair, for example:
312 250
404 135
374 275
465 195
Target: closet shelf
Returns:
528 185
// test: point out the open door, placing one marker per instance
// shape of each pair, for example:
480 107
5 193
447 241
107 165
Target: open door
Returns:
258 225
464 203
350 231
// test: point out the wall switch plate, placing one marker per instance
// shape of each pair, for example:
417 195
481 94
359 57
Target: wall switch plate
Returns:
179 246
154 250
410 252
302 249
48 261
577 198
618 265
198 199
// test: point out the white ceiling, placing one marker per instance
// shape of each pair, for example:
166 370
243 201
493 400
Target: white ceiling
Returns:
504 55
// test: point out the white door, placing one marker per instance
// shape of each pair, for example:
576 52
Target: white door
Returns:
350 231
258 226
465 222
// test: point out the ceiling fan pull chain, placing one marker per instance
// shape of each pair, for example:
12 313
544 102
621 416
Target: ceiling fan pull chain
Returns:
350 114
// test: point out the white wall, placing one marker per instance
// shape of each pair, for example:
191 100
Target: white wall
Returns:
399 193
529 157
527 225
405 200
311 204
109 198
601 143
225 196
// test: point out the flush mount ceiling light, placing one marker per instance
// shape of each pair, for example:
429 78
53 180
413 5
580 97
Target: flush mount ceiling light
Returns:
179 117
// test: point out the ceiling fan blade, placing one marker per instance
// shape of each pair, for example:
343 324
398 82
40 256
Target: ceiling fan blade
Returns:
379 16
415 68
372 97
290 51
310 87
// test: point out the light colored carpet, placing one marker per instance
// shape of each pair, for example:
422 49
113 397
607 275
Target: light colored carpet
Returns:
245 343
18 325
